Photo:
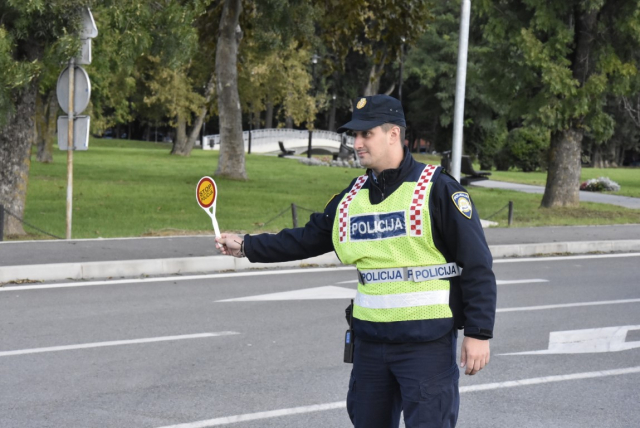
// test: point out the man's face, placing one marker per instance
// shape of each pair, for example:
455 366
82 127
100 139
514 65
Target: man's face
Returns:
373 147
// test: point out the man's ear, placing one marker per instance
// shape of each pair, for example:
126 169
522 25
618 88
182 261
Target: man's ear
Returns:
395 134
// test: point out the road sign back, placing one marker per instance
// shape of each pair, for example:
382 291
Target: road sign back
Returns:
81 91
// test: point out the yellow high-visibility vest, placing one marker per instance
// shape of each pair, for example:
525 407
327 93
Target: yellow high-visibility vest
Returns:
402 275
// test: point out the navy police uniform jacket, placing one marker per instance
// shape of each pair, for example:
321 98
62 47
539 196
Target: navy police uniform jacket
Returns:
460 239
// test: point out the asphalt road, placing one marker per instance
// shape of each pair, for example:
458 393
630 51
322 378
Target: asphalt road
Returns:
263 358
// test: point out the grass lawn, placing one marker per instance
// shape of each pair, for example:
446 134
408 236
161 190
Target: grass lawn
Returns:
127 188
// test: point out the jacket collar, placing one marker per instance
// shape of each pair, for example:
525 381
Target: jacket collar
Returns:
389 177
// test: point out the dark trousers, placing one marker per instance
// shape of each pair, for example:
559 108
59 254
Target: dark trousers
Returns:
419 379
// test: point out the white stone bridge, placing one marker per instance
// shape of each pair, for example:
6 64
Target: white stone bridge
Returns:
266 141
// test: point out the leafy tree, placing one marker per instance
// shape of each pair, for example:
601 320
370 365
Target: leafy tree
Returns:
30 31
375 29
554 65
266 26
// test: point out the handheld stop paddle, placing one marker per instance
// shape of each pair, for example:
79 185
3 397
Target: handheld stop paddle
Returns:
206 194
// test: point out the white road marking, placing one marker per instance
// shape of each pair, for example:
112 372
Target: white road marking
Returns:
317 293
520 281
561 258
549 379
342 404
331 292
115 343
567 305
590 340
277 272
172 278
261 415
499 282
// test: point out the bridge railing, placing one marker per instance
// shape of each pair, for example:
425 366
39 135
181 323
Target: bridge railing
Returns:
266 140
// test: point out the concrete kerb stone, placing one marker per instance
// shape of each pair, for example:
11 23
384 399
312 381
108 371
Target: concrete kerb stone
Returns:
195 265
581 247
152 267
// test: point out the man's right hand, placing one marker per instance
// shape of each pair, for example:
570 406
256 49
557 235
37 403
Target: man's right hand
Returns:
230 244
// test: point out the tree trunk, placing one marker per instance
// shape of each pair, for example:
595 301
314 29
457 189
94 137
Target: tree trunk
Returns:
197 126
268 120
563 178
15 145
46 109
596 157
231 161
180 143
373 84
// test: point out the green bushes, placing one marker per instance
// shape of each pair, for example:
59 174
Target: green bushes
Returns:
521 148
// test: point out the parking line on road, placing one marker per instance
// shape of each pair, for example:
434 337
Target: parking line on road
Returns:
115 343
519 281
568 305
499 281
276 272
342 404
171 278
562 258
549 379
261 415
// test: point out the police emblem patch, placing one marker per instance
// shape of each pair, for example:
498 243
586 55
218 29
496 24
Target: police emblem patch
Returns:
361 103
463 203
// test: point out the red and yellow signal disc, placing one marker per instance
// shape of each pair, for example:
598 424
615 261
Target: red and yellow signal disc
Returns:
206 192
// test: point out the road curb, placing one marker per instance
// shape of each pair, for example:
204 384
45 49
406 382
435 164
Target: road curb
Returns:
580 247
192 265
131 268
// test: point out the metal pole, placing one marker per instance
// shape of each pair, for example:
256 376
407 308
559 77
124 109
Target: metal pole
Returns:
510 212
461 77
70 148
1 223
309 148
294 215
250 142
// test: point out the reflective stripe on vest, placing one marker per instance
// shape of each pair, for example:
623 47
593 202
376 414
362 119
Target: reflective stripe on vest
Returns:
415 210
415 274
406 300
343 208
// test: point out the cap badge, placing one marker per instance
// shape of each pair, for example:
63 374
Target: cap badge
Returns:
361 103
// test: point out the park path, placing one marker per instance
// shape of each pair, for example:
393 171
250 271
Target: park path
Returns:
623 201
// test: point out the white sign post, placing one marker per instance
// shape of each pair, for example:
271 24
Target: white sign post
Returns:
74 91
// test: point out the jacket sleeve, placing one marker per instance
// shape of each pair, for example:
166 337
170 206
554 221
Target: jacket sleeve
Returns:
461 239
314 239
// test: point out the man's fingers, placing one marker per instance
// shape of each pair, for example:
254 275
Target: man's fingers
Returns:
463 357
221 243
475 365
470 367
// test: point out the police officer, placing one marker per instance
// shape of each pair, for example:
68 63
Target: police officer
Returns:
424 271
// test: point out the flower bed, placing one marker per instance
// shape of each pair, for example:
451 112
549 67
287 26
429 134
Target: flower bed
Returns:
600 184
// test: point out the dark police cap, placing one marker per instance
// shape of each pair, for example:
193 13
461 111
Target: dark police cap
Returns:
374 110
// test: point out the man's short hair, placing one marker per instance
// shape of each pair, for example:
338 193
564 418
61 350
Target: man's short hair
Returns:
386 127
